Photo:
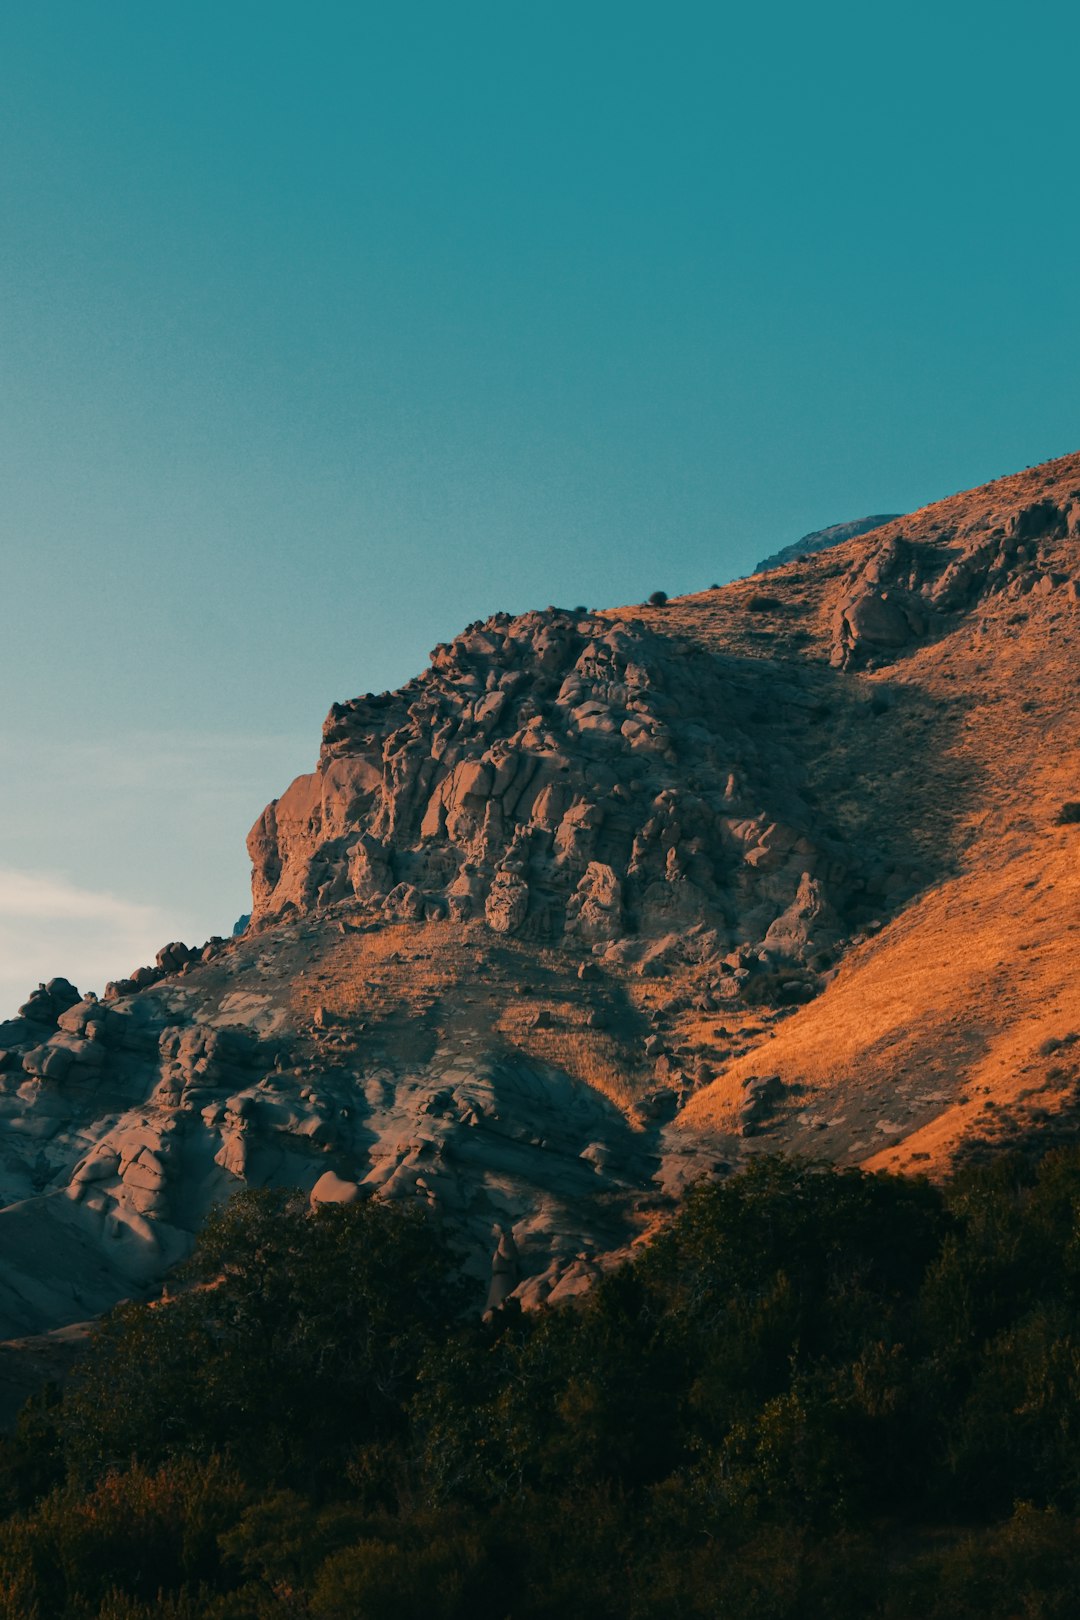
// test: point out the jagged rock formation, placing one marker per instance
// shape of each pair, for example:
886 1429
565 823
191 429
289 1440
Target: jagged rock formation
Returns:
598 904
823 539
571 779
125 1119
912 584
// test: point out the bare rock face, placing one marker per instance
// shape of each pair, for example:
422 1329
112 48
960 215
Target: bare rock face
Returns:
882 608
594 910
507 903
910 586
124 1123
563 776
808 922
494 931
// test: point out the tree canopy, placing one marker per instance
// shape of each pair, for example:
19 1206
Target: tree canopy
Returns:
817 1393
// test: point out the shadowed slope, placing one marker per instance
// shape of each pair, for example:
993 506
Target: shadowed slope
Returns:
784 863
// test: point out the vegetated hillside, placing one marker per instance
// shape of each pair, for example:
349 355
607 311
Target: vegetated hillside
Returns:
601 903
816 1393
823 539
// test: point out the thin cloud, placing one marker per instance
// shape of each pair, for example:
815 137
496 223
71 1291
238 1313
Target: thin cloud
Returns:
38 896
151 824
51 926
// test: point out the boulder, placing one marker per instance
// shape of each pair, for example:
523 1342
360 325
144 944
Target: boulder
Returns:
38 1008
465 895
505 1271
404 903
334 1189
808 925
875 621
1038 521
507 903
369 869
760 1096
49 1062
595 910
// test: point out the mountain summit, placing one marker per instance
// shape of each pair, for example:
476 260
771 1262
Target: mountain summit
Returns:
601 903
822 539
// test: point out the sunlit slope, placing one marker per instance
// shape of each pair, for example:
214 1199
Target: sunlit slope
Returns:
953 1026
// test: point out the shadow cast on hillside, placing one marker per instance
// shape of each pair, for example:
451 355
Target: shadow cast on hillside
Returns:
875 765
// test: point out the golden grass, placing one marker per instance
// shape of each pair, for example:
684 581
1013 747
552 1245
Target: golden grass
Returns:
355 973
592 1056
957 996
942 1013
464 980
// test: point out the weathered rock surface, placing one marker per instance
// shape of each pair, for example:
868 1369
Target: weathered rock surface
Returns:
537 941
916 577
569 777
218 1078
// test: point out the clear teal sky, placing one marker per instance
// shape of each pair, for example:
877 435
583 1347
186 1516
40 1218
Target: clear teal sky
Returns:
326 328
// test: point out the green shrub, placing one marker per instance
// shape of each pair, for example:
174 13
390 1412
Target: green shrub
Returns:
136 1533
817 1393
298 1338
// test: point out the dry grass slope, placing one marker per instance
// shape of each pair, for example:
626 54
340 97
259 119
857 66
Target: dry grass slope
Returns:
952 1028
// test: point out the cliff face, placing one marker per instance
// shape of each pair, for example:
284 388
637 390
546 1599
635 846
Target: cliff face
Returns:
604 902
625 783
581 780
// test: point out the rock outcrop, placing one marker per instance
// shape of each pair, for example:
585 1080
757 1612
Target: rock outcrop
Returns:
566 777
123 1122
908 587
556 929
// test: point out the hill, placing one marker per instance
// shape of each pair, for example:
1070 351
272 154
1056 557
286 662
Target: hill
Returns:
602 903
822 539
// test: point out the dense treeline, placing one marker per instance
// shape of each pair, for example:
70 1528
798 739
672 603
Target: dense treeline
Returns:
818 1394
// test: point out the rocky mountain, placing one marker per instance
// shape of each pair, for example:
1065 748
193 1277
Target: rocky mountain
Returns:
603 902
822 539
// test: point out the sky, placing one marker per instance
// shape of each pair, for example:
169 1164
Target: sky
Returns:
328 328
